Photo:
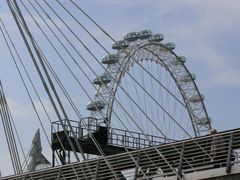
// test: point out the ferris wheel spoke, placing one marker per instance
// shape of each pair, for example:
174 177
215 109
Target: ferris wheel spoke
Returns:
164 110
155 90
160 84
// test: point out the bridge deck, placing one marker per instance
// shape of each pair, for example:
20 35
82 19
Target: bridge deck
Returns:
171 159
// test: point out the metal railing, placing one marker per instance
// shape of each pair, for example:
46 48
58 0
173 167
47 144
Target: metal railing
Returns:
171 159
57 127
134 140
116 137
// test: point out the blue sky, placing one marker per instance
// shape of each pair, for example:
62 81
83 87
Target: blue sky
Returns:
207 32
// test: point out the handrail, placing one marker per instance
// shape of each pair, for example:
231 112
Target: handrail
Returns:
116 137
150 163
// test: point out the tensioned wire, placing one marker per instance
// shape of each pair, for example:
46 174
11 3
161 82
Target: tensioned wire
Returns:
105 48
165 88
63 148
130 102
25 85
83 45
147 103
109 36
160 96
54 98
14 125
79 82
25 158
6 120
84 28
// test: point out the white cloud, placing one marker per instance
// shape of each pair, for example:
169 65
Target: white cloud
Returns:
229 77
26 110
215 19
39 105
221 71
5 165
17 108
123 2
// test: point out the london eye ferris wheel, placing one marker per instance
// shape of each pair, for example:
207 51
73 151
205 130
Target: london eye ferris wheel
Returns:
145 96
147 88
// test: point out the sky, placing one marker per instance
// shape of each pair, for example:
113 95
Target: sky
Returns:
207 32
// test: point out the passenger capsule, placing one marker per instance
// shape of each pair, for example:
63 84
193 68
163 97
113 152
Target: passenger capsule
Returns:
196 98
145 34
132 36
178 61
170 45
110 59
157 38
204 121
183 59
102 79
187 77
96 106
120 44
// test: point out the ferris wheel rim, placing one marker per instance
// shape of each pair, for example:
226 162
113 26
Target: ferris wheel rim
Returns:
136 48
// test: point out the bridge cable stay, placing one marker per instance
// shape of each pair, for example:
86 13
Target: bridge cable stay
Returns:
74 48
100 28
95 58
101 64
50 97
73 150
70 127
75 76
114 97
41 75
25 164
106 33
51 70
24 83
31 54
8 129
107 51
110 37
